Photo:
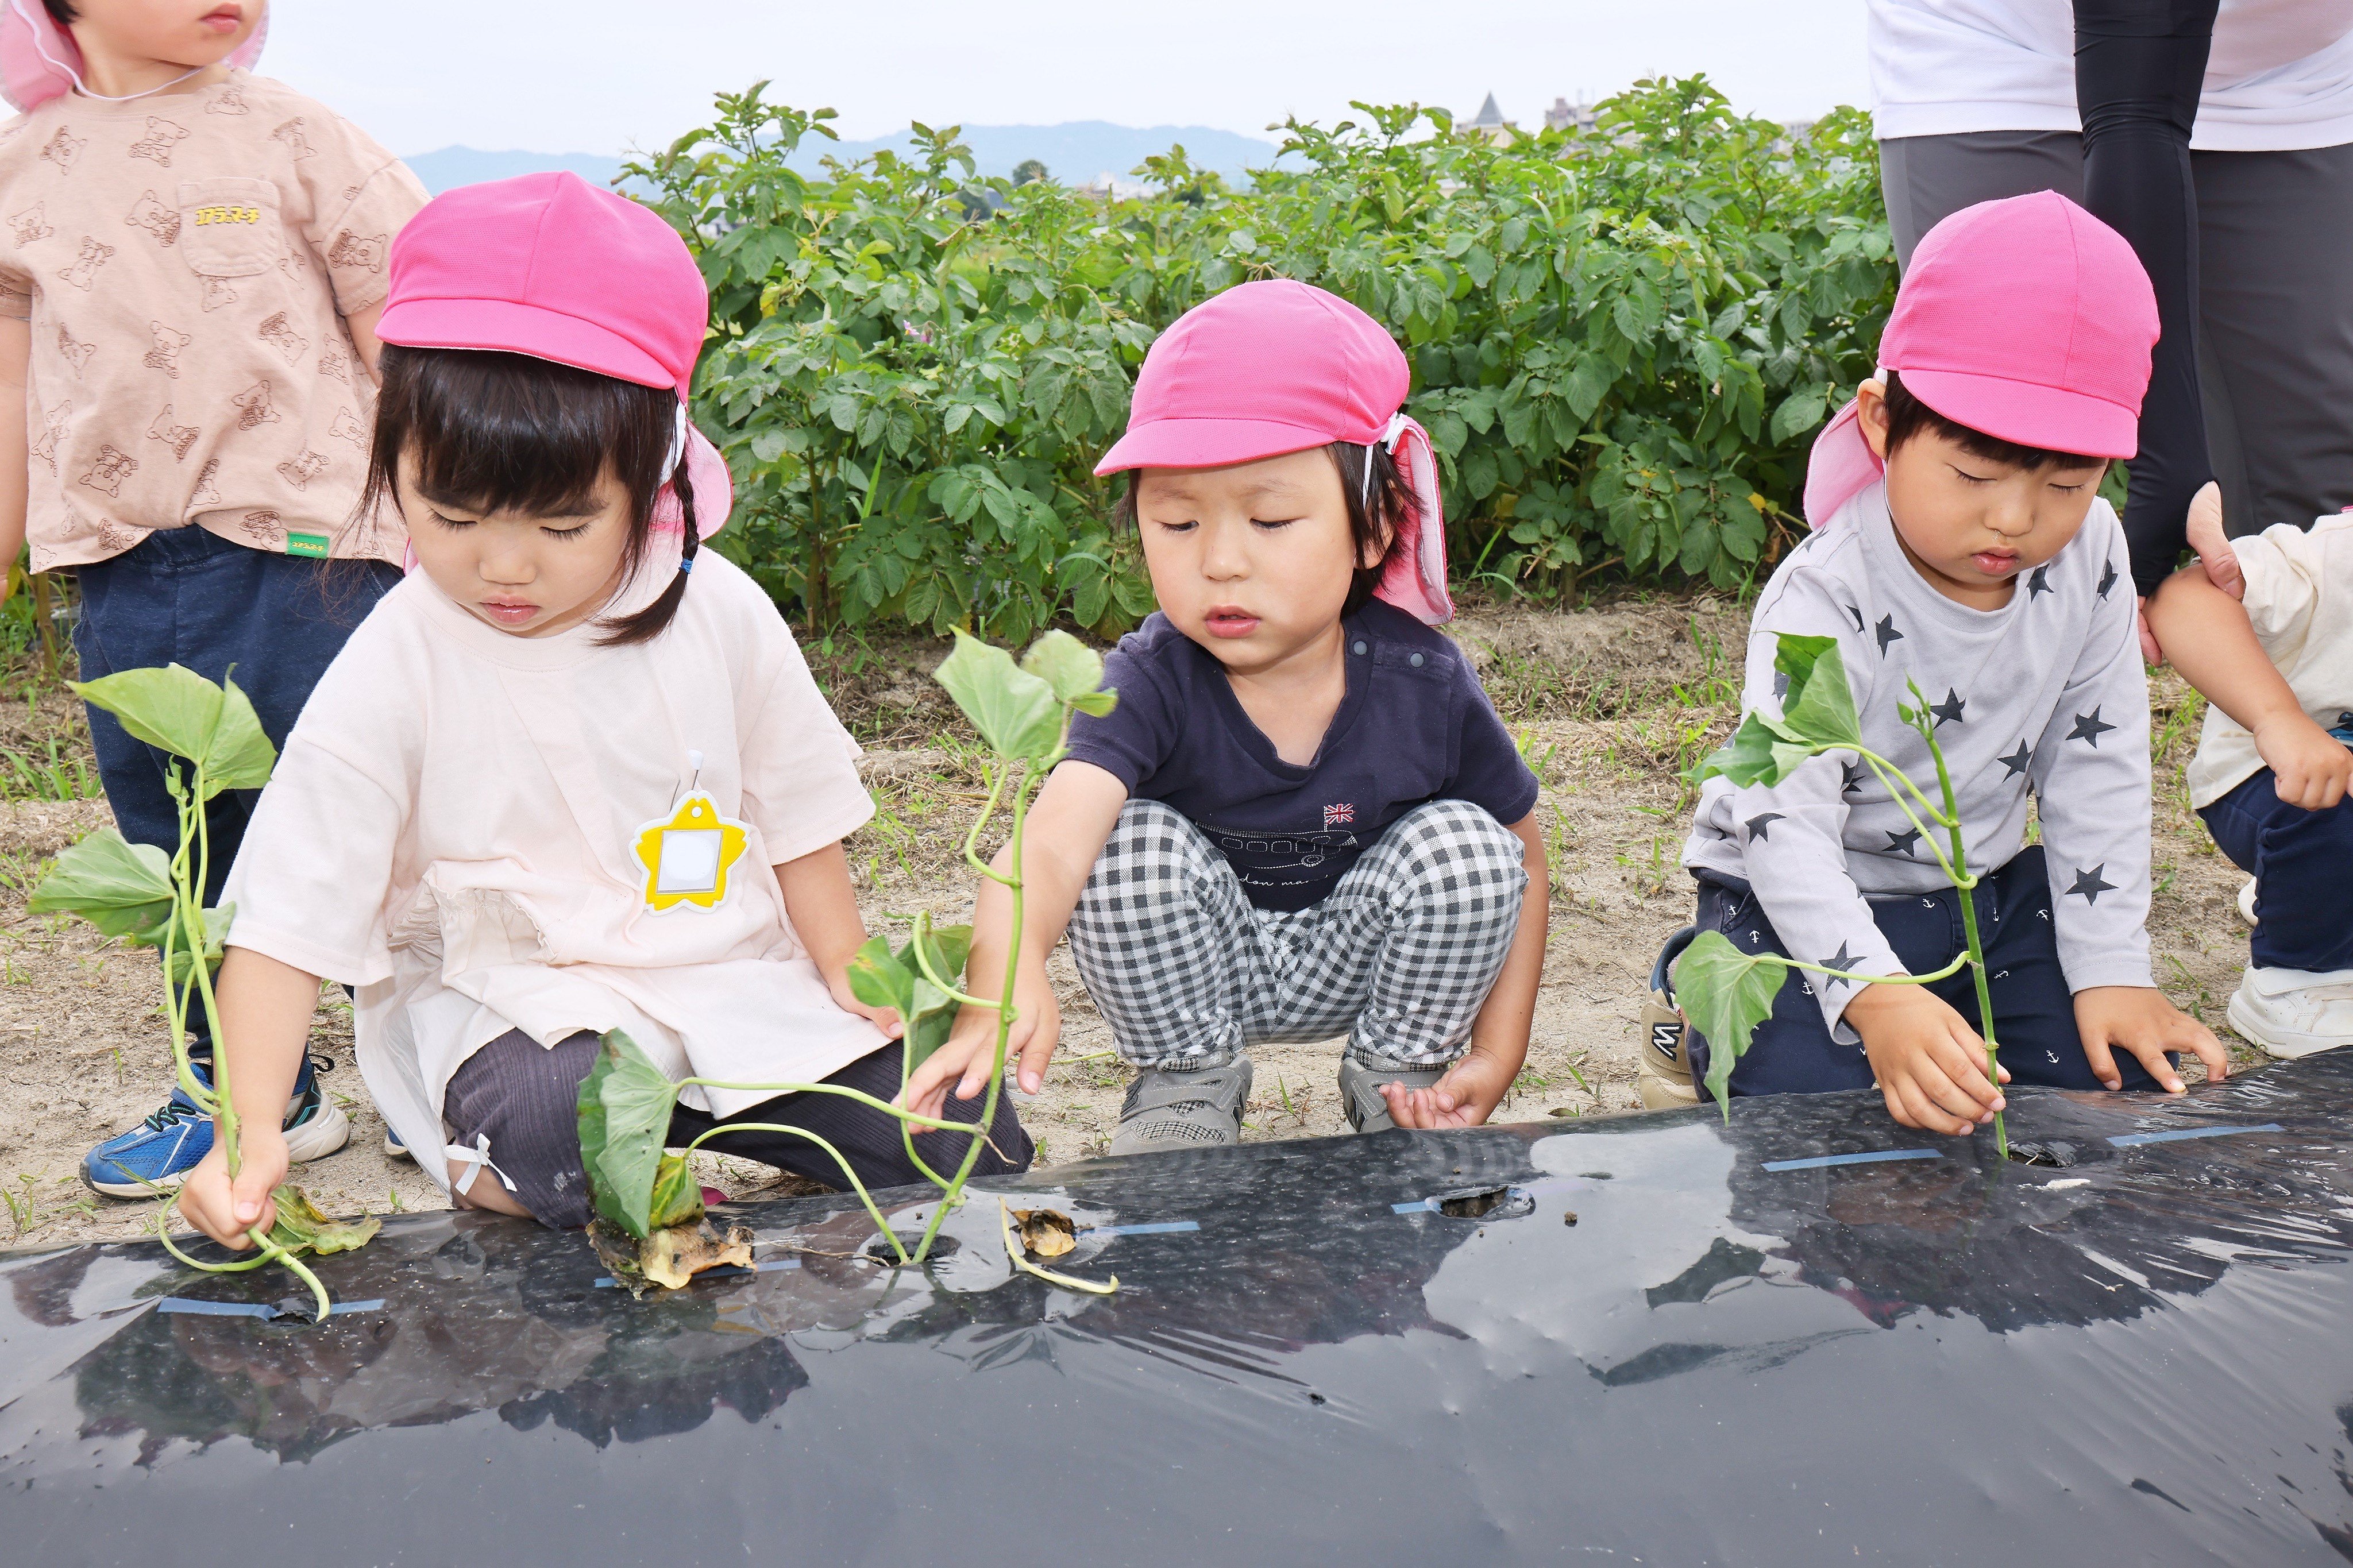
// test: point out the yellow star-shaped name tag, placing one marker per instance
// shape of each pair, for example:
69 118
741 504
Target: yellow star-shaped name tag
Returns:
687 855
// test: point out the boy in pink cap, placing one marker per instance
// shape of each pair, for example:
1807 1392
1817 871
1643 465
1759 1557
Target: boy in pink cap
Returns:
1304 819
192 259
1960 544
572 776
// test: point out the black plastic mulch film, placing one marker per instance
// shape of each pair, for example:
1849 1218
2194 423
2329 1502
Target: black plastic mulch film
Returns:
1665 1340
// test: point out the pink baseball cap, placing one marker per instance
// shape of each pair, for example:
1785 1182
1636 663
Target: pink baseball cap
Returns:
40 59
2028 319
549 266
1281 366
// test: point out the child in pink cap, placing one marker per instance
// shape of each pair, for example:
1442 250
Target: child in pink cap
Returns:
572 775
1304 819
192 260
1960 544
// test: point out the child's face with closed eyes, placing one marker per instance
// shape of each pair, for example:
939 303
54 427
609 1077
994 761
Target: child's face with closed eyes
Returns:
1970 525
529 576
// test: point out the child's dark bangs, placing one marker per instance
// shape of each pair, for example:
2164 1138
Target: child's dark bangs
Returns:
503 433
1907 417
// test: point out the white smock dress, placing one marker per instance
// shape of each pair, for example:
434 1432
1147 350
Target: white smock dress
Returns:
484 832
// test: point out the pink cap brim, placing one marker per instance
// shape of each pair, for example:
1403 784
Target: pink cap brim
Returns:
504 325
1207 444
2028 412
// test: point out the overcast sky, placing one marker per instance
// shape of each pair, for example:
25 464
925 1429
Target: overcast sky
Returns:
601 76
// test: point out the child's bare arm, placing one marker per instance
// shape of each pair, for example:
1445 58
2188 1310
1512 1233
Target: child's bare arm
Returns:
1066 828
265 1017
2211 642
15 354
1467 1096
823 908
361 325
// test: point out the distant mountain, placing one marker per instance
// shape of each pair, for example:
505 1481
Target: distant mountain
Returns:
470 165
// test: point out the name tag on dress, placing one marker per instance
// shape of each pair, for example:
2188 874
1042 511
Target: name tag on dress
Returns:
688 853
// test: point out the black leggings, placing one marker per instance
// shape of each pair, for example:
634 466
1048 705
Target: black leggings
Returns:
2138 68
523 1097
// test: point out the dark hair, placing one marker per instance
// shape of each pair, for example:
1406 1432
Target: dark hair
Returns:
1907 417
505 432
61 12
1378 520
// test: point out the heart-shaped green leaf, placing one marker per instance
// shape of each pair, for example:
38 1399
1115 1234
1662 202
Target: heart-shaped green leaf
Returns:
625 1108
1725 994
1064 663
180 712
1819 708
1015 711
878 979
123 889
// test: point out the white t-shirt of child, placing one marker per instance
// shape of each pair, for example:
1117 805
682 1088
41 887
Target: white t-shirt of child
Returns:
454 829
2300 598
2279 76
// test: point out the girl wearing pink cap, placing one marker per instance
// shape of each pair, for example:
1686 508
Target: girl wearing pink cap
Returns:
1304 819
1960 550
572 775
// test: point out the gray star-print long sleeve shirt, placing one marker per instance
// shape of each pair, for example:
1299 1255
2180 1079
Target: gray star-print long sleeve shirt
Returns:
2045 694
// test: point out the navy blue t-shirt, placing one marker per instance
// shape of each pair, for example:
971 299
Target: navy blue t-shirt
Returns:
1415 726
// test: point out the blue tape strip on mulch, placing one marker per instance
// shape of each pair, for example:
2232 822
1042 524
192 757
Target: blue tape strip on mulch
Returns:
2133 1139
1417 1206
767 1267
1872 1157
1164 1227
254 1309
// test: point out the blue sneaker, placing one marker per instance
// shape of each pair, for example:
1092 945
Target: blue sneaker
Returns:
159 1152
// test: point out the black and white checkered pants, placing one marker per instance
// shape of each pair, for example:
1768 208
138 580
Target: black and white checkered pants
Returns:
1400 956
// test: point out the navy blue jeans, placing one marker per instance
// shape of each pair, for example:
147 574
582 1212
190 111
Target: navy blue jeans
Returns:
2303 865
187 596
2033 1011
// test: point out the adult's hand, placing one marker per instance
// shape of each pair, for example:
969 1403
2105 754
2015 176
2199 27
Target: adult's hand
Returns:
2212 545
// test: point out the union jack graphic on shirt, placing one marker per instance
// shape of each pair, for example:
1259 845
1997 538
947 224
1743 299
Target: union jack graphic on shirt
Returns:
1339 815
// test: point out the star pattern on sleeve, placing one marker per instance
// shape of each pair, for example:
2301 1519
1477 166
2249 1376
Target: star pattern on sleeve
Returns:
1851 772
1760 827
2039 582
2092 883
1905 843
1887 634
1841 959
2019 761
2089 729
1857 613
1949 710
1781 684
2107 577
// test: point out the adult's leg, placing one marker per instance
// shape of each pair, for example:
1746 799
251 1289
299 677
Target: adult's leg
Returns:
1163 939
2302 861
866 1138
1927 179
2274 230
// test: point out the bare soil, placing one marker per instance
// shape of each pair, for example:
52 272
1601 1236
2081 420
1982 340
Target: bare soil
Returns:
1612 703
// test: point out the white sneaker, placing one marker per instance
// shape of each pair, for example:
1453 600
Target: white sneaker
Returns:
2293 1013
2247 901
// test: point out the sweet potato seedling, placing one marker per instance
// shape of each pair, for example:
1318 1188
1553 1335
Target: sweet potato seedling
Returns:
132 890
1726 993
643 1193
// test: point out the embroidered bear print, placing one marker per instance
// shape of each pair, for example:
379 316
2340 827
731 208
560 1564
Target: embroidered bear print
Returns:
291 134
75 354
264 526
206 493
217 293
293 264
63 148
157 144
357 250
165 356
150 213
279 335
230 102
253 407
46 449
110 468
303 468
348 427
84 268
32 224
116 538
179 437
334 362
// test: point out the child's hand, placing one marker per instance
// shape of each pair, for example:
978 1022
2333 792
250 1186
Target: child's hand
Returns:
1929 1063
225 1210
883 1018
963 1063
1465 1096
2311 767
2142 1021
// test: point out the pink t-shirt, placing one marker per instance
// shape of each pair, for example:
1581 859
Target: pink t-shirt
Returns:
453 828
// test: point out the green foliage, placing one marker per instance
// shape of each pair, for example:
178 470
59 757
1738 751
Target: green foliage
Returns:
301 1228
1621 340
213 726
1816 715
1015 710
882 978
123 889
1725 994
625 1108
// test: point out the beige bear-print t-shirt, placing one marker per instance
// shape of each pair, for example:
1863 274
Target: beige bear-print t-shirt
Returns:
185 261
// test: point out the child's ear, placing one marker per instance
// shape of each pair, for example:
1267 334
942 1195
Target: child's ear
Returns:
1871 413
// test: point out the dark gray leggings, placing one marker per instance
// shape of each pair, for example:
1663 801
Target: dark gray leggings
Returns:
525 1097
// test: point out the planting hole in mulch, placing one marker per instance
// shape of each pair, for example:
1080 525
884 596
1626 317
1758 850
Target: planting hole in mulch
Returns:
878 1249
1487 1203
2051 1154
